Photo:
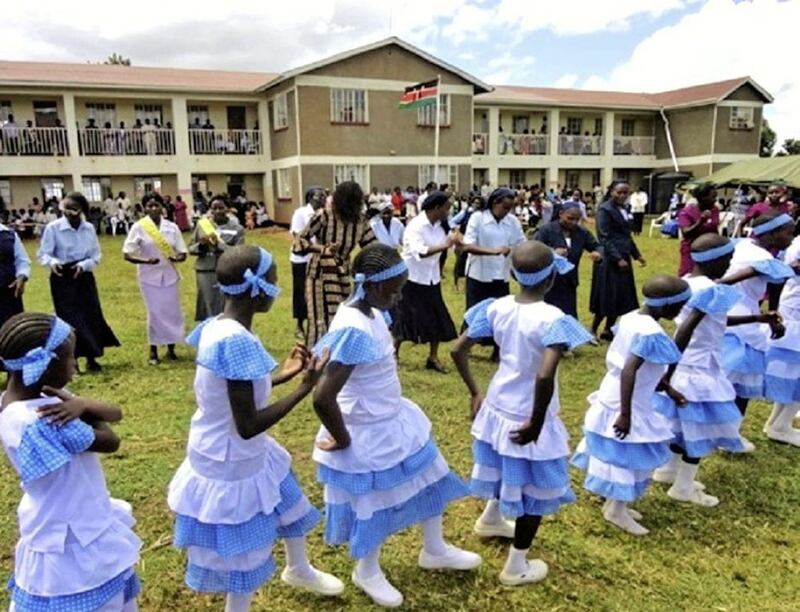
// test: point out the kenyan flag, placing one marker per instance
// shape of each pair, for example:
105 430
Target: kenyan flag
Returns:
422 94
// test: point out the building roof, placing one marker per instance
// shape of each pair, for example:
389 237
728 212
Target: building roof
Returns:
707 93
479 85
130 77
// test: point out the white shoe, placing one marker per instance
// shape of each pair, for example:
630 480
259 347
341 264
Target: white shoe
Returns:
454 558
379 590
790 436
321 583
693 496
624 521
535 571
501 529
665 475
749 447
635 515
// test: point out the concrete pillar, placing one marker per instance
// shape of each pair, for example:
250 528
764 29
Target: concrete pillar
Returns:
184 179
552 131
71 122
494 138
608 134
77 181
180 125
551 177
266 151
606 175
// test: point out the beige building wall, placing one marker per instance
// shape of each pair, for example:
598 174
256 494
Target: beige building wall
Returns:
317 174
727 140
284 207
643 124
124 109
691 132
283 142
389 177
22 106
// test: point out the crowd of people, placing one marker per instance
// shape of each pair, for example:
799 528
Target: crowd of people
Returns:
664 403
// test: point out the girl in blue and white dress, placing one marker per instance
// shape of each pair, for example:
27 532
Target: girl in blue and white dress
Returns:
76 550
235 492
751 269
706 418
782 380
625 439
375 453
520 445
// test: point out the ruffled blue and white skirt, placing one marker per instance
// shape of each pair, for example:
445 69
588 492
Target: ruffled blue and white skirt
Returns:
745 366
229 514
530 479
782 379
391 477
622 469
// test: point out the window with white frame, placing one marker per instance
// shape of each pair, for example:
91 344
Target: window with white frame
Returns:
92 189
516 177
284 184
741 118
146 184
154 112
5 191
194 113
102 113
280 112
446 175
349 106
426 115
629 127
574 125
53 188
350 172
5 110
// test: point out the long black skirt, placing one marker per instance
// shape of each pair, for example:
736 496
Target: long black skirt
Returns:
76 301
563 294
613 290
421 316
9 305
460 269
299 308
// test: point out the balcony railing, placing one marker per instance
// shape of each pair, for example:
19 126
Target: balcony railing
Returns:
125 141
480 143
16 140
634 145
522 144
580 145
225 142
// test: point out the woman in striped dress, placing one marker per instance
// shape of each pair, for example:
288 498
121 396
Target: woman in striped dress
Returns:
330 237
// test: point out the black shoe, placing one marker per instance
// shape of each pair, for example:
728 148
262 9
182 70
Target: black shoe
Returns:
607 336
430 364
93 366
171 356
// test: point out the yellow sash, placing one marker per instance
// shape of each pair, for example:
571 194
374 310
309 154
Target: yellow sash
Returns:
151 230
207 226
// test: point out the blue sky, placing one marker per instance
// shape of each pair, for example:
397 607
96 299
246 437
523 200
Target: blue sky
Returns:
629 45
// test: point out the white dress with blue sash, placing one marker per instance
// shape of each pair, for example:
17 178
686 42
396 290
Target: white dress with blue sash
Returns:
782 380
392 475
76 550
233 497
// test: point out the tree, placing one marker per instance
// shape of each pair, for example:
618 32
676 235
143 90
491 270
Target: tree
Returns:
768 139
791 146
117 59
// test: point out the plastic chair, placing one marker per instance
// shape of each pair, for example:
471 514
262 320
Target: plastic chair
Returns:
657 222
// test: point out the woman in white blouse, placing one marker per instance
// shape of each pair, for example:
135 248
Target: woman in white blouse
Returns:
386 227
421 315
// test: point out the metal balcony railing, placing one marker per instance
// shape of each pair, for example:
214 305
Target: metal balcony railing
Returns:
15 140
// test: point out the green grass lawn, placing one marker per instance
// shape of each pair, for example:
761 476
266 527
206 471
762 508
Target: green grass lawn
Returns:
742 555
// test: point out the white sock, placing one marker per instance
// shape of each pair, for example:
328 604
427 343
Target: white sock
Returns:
433 542
491 513
673 464
784 419
369 566
517 561
296 558
684 479
238 602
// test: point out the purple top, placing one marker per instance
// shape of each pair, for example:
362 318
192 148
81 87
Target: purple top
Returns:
687 217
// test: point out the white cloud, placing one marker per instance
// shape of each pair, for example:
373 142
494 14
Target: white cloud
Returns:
566 81
505 68
724 39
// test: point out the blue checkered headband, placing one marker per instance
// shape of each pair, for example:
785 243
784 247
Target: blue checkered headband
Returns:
360 279
254 281
683 296
712 254
34 363
530 279
773 224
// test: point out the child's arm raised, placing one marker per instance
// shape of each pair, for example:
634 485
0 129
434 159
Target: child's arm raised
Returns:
622 426
292 365
460 355
74 407
327 408
545 387
251 422
105 440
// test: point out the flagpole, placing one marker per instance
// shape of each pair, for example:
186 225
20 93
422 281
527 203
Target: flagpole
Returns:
436 134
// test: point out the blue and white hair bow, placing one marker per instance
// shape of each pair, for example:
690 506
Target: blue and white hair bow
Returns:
560 264
683 296
254 281
33 364
772 224
360 279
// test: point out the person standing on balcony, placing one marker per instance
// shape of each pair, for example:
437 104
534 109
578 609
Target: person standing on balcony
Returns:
315 200
15 270
638 210
155 245
696 219
613 285
69 247
330 238
149 137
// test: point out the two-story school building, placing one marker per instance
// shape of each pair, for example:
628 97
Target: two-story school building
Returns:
105 129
